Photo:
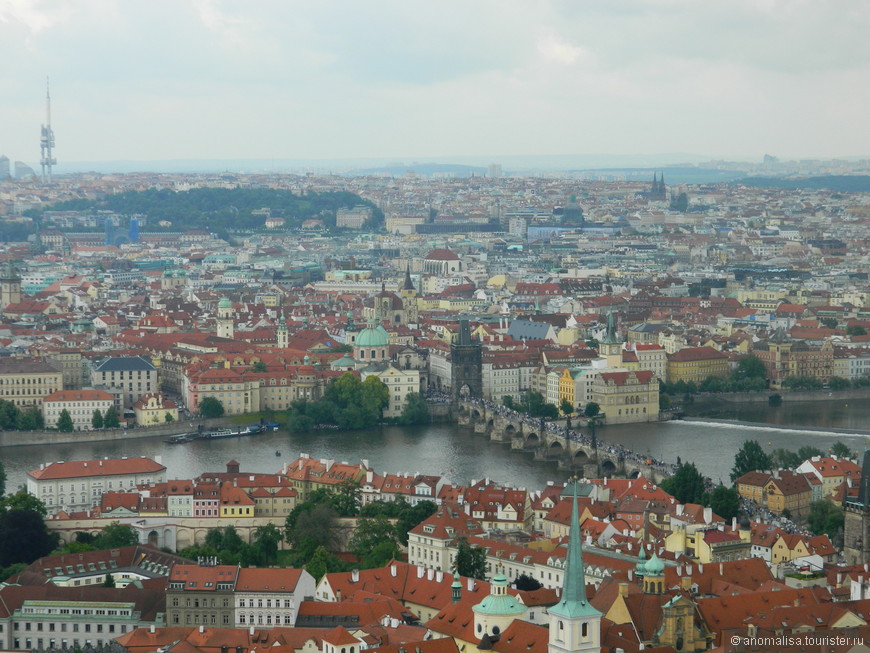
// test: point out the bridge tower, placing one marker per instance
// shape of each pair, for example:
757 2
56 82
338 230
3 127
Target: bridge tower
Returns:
466 364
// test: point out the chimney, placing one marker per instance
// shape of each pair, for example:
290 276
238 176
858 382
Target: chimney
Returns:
708 515
430 574
354 576
679 570
420 571
439 576
152 629
623 589
470 584
370 476
202 629
251 631
721 568
631 575
393 571
680 508
394 623
734 523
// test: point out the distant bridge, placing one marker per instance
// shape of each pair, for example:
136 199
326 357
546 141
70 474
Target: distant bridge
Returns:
528 434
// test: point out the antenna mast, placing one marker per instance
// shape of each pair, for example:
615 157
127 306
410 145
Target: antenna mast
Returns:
46 140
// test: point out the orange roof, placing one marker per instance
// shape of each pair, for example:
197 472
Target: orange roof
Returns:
105 467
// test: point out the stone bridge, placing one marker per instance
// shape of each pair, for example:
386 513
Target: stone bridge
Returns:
531 435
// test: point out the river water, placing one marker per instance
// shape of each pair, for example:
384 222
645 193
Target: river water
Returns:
459 455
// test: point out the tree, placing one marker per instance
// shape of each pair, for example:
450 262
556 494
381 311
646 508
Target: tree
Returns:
808 451
9 415
751 457
116 535
380 555
109 581
566 407
526 583
591 409
321 563
111 419
315 525
211 407
829 322
2 480
470 561
856 330
23 537
841 450
750 367
839 383
23 500
64 422
266 541
686 485
30 419
259 366
168 418
374 395
825 518
345 499
370 533
415 410
724 501
785 458
97 419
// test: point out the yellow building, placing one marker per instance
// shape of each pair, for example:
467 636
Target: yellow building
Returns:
25 382
788 491
235 502
626 397
694 364
154 408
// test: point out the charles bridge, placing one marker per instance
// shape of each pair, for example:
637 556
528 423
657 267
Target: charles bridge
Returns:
532 435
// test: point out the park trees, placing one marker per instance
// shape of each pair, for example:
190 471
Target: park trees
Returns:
751 457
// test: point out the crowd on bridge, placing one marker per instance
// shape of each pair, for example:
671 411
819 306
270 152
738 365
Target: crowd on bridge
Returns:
609 449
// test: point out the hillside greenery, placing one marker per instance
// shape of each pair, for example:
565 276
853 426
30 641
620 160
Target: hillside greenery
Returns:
222 209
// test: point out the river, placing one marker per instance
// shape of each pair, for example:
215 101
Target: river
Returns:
459 456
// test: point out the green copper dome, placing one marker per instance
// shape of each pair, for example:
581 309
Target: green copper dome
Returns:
373 336
654 566
499 602
225 303
640 567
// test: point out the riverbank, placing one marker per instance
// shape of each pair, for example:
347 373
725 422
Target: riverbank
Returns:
785 395
30 438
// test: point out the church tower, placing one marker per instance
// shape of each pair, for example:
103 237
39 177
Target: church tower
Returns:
283 332
10 286
611 346
225 328
408 294
575 626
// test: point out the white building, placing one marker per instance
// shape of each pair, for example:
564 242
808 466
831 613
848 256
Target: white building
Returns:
80 404
79 485
270 597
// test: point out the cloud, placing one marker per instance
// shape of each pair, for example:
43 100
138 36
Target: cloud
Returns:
556 49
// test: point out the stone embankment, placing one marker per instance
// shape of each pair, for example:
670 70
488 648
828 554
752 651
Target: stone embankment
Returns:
28 438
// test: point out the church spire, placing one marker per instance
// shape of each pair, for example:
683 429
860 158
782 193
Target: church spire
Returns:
574 587
408 284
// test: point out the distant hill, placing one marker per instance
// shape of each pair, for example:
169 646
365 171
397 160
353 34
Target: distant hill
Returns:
838 183
422 169
222 209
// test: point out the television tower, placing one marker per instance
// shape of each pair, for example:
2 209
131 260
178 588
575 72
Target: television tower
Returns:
46 140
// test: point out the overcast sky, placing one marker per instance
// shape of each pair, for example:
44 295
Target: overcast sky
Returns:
203 79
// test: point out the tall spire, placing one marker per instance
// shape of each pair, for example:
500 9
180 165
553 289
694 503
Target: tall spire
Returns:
408 285
574 604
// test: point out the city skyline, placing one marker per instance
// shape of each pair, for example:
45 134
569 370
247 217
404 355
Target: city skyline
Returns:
211 80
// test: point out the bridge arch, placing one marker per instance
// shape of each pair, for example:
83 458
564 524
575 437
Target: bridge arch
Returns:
580 458
476 414
490 423
634 474
510 429
555 450
532 439
608 467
